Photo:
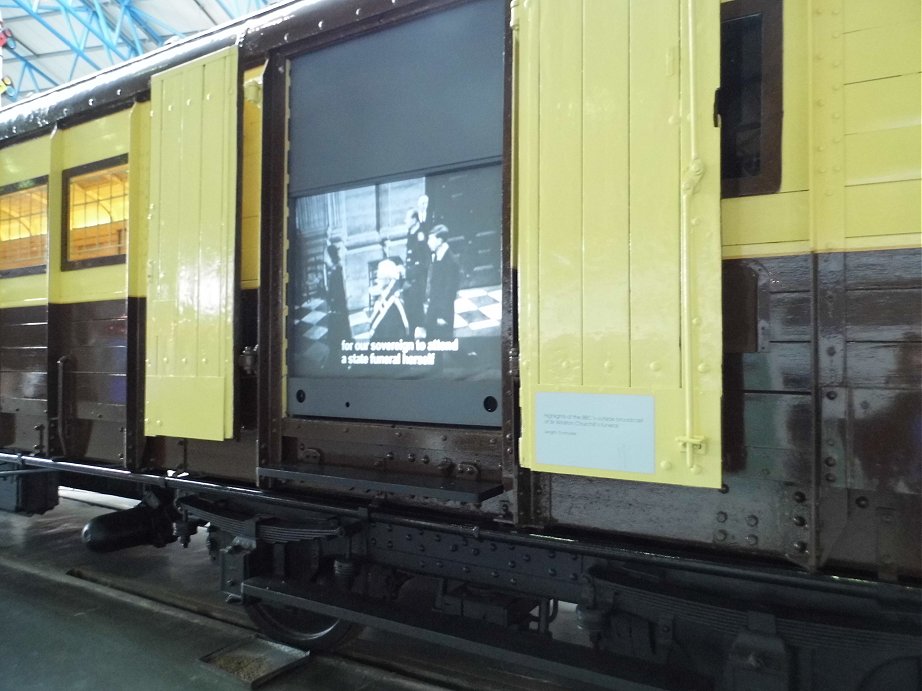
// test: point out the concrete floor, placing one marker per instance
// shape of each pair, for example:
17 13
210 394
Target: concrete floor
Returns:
143 619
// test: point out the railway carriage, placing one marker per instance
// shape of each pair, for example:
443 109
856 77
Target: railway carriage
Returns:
608 302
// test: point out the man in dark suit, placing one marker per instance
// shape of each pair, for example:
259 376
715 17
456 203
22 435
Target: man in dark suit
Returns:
444 280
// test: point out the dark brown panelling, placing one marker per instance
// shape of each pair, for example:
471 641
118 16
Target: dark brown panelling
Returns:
790 317
884 315
27 359
24 385
783 367
885 365
787 274
134 367
23 378
100 387
93 337
24 335
109 359
886 440
893 269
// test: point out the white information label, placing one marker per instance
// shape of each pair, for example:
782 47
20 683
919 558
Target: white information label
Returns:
599 431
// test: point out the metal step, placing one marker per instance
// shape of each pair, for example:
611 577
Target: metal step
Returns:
446 489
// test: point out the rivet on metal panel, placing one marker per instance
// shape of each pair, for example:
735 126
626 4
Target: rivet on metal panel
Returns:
666 465
720 535
703 368
721 516
799 521
655 366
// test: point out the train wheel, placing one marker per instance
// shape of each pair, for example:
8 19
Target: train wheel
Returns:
301 629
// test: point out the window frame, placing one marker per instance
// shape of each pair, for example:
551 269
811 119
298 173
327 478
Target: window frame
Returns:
768 181
68 264
22 186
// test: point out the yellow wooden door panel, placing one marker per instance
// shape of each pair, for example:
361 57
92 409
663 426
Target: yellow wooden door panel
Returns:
890 208
886 51
862 14
654 180
884 156
619 314
606 192
191 279
883 104
559 194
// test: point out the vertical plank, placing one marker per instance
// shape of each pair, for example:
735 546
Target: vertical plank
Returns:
192 249
606 198
560 195
654 180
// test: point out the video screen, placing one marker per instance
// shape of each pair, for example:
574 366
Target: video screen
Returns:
399 280
395 200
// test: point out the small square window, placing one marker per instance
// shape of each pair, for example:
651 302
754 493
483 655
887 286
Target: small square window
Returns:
750 97
96 214
24 227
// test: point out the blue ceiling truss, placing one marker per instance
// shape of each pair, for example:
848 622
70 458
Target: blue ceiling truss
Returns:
122 30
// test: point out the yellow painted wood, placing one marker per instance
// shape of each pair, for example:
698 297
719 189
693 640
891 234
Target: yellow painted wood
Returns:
96 140
885 51
24 161
606 195
869 14
883 104
891 208
654 180
87 143
827 164
192 242
884 242
768 249
20 162
795 126
603 141
883 156
560 195
766 218
139 199
251 178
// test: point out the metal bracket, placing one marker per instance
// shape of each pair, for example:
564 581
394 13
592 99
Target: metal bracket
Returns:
887 545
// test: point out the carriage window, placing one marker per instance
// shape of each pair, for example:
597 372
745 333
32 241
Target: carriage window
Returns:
96 214
24 227
750 97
